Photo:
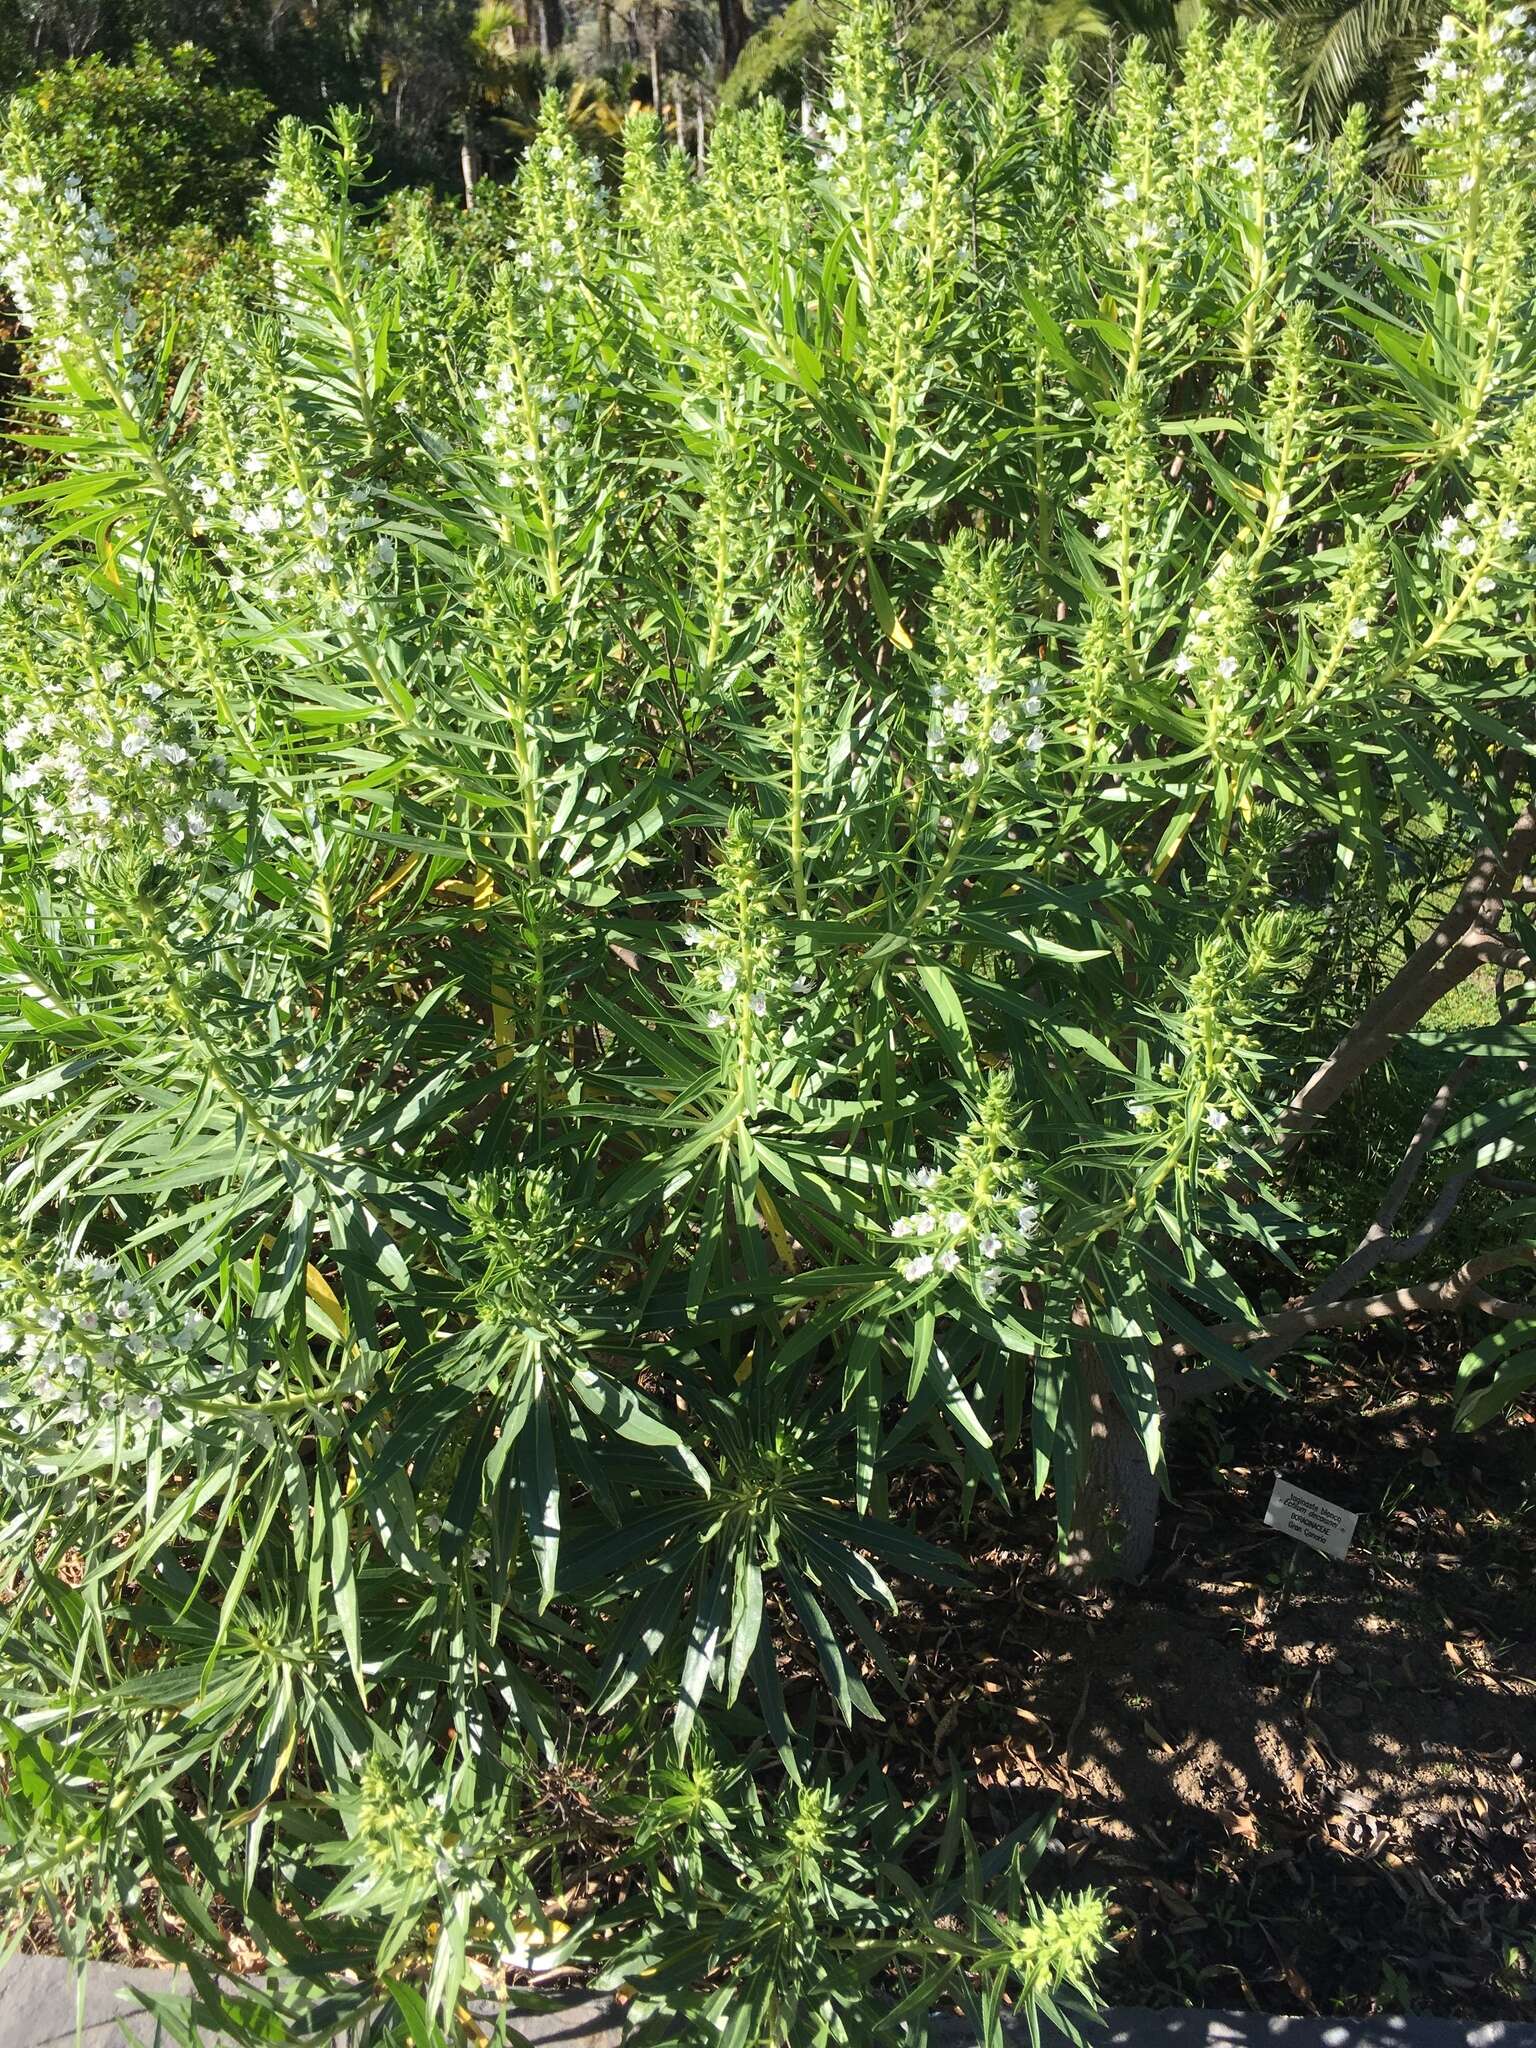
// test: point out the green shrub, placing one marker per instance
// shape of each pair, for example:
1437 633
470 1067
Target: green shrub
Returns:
784 59
155 142
647 888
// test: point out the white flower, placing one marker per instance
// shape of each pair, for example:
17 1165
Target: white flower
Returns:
1217 1118
902 1227
759 1006
922 1224
1245 167
970 766
1359 629
1139 1111
729 976
925 1177
991 1244
1035 743
715 1019
918 1268
955 1220
949 1260
1029 1220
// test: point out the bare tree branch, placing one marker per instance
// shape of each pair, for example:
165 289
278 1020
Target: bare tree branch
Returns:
1465 939
1461 1289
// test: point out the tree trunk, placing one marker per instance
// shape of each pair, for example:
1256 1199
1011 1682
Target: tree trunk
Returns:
469 171
604 28
734 30
1114 1518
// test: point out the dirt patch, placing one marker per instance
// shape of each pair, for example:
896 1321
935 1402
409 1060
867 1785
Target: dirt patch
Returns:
1308 1785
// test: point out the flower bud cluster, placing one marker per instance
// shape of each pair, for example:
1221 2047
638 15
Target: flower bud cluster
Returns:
755 184
1220 657
886 155
801 708
1139 195
738 981
1248 151
988 698
564 232
1345 626
521 1231
527 417
1129 501
305 219
1233 965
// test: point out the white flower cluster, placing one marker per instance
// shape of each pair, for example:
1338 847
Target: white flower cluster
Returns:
949 1231
289 229
85 1346
983 723
1220 657
281 541
1237 151
1479 85
1146 223
59 264
736 980
1478 541
844 143
564 227
524 422
111 765
17 538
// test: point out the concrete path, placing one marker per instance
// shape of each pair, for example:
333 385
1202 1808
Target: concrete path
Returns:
38 2010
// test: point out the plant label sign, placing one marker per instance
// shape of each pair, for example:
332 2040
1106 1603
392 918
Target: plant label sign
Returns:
1295 1512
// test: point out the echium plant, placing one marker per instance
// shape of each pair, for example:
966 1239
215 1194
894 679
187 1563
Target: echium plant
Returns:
616 934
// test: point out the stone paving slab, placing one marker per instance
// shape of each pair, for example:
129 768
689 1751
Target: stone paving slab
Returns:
38 2010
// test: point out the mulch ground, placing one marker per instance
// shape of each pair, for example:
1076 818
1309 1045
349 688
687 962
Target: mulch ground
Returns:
1308 1785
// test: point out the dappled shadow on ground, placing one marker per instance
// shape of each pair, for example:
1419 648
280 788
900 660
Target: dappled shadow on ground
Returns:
1310 1786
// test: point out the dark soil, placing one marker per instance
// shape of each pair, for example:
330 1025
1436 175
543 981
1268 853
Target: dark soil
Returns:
1307 1785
